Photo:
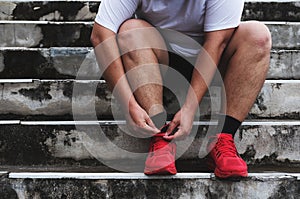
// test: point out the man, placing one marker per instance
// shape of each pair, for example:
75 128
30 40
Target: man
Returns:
240 49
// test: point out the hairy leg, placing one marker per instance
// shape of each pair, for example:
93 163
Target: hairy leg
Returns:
142 66
247 61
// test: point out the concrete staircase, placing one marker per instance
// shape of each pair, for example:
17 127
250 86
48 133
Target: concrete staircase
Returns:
44 153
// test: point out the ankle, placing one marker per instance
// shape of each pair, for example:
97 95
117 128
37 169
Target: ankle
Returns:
230 124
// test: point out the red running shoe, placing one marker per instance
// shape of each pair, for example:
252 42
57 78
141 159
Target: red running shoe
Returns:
224 158
161 157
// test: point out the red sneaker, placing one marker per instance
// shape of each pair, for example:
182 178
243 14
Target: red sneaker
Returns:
161 157
224 158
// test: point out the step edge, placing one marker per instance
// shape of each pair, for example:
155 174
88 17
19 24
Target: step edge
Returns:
123 122
36 22
137 176
267 81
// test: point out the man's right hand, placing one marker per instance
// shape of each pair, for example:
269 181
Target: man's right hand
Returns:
140 123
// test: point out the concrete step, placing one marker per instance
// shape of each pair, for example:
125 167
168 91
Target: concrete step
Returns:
86 10
277 99
44 34
49 10
271 143
285 35
137 185
65 62
272 10
43 146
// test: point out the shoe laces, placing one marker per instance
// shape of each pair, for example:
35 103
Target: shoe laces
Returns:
225 147
158 143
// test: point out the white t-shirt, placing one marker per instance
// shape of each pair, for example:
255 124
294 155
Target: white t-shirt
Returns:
190 17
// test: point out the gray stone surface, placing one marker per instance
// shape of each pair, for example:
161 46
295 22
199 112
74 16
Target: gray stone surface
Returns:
6 10
54 98
32 34
28 35
68 61
275 142
278 186
47 145
50 98
284 64
284 36
274 98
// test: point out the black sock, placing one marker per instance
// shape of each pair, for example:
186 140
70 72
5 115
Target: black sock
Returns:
230 124
159 119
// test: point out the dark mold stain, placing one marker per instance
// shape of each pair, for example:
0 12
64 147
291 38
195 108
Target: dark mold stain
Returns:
260 102
68 189
28 64
68 89
23 146
40 93
70 35
36 10
248 156
102 91
287 189
22 63
6 191
276 86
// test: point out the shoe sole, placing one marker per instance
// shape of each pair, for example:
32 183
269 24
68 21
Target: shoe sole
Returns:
161 171
230 174
224 174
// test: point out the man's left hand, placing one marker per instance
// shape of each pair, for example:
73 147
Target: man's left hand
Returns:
183 121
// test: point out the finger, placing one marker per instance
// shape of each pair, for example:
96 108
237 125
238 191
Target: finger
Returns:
179 135
172 126
148 130
173 136
138 130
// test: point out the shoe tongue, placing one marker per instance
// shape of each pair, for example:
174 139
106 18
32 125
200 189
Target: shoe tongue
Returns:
229 149
159 142
227 135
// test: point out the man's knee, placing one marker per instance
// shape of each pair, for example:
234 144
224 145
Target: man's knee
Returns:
131 34
258 35
137 34
132 24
